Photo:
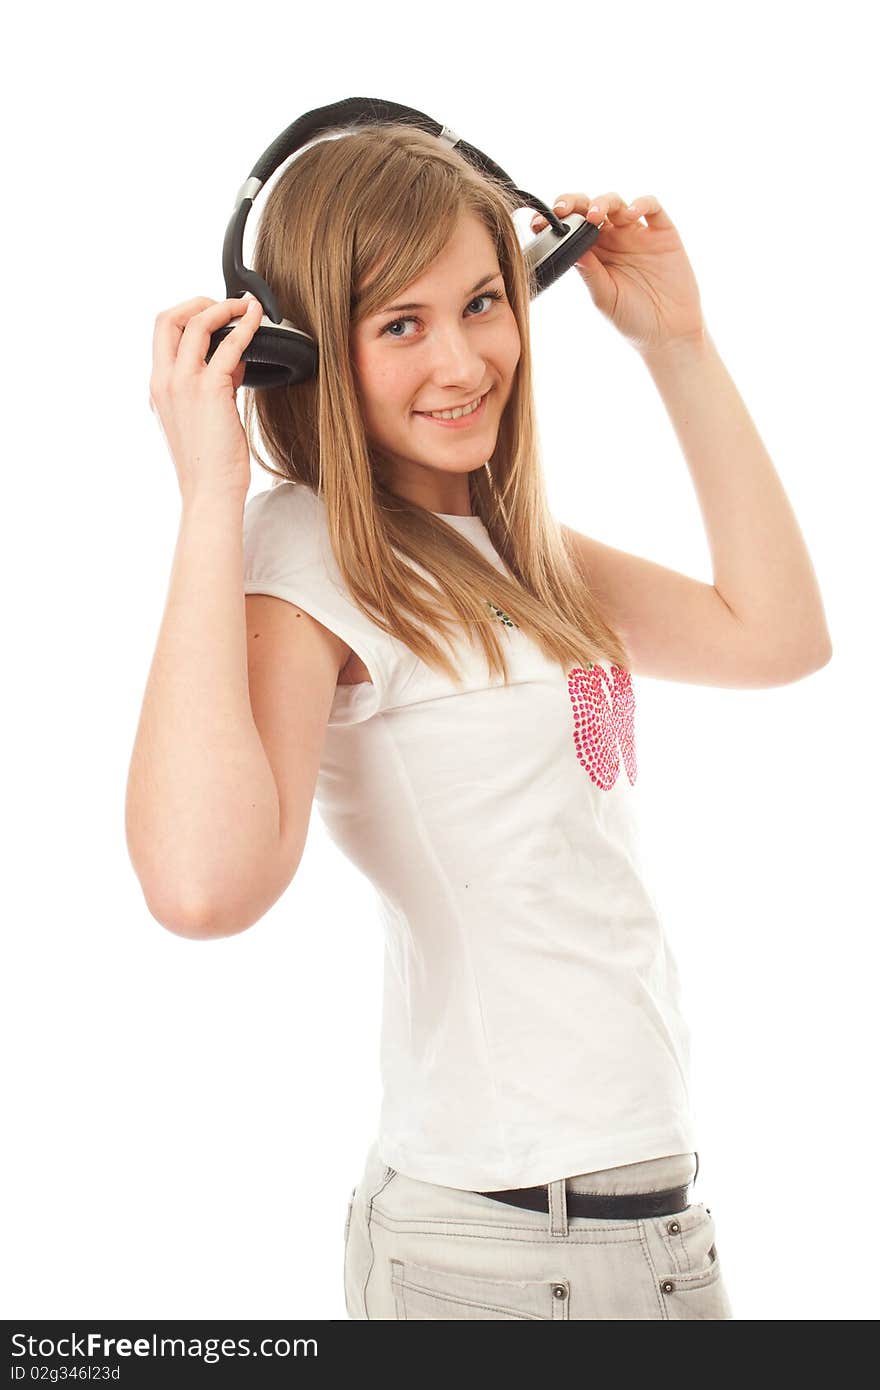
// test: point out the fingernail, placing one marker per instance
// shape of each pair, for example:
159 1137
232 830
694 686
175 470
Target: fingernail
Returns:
560 204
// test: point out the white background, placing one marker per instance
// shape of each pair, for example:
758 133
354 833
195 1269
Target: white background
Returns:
185 1121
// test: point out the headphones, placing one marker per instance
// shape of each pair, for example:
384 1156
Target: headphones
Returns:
279 353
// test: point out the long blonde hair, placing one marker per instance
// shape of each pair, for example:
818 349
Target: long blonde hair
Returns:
350 222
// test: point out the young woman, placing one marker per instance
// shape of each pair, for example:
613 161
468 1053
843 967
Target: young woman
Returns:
401 632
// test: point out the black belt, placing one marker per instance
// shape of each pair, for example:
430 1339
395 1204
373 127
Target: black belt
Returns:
623 1206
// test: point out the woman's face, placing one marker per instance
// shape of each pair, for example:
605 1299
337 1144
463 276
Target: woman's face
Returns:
456 344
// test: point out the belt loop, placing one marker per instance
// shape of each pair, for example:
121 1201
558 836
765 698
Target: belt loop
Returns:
558 1208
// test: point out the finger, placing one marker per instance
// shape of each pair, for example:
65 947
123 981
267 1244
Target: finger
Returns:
653 213
228 355
607 208
565 203
196 337
169 328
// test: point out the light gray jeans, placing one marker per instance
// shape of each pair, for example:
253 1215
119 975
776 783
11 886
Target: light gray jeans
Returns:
417 1250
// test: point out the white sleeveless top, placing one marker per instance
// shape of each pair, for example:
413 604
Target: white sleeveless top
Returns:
531 1023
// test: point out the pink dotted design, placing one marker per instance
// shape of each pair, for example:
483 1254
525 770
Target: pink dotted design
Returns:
604 720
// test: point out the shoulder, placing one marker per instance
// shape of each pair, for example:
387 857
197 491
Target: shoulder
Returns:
285 500
286 556
286 520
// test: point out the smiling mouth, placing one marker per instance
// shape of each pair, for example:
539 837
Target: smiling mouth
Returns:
471 408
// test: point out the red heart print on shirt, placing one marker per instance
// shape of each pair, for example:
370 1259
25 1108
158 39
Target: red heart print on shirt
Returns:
604 720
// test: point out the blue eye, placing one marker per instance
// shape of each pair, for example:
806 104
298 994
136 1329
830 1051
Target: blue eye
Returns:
488 294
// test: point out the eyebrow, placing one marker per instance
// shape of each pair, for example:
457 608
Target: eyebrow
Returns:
391 308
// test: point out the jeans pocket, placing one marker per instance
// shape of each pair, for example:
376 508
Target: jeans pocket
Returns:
692 1282
427 1292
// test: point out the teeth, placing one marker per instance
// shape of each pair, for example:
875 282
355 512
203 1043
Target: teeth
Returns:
455 414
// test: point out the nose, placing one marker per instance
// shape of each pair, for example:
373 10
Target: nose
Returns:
455 362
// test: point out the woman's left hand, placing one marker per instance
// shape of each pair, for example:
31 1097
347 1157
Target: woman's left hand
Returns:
638 276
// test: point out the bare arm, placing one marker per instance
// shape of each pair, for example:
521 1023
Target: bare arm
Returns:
202 808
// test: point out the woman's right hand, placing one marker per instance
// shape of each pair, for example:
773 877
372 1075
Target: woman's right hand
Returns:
195 400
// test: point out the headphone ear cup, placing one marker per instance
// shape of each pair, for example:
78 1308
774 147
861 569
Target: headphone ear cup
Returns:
550 256
274 356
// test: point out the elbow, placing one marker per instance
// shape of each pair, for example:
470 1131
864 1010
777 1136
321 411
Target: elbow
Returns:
189 912
205 912
820 657
192 919
779 667
815 660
